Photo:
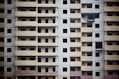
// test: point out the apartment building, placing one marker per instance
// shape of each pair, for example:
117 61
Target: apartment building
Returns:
59 39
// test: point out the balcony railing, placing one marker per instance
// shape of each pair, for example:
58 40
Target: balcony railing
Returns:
34 72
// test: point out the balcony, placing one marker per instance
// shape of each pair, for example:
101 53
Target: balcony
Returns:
86 68
1 73
2 24
75 15
34 13
25 43
26 33
1 15
26 4
112 47
86 58
47 24
75 54
26 23
1 53
75 44
1 5
1 34
111 18
83 20
86 48
1 63
1 44
111 77
34 62
86 29
75 6
33 33
78 34
86 39
34 53
111 67
111 8
33 43
75 25
34 4
33 72
111 38
111 28
111 57
111 0
75 63
75 73
86 77
86 10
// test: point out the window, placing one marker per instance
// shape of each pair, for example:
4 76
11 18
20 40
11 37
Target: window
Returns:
39 69
97 6
46 30
53 59
53 30
97 54
96 15
1 10
89 5
46 59
9 78
2 49
46 21
64 59
97 35
39 49
46 40
64 69
1 1
53 20
46 69
46 49
64 30
9 20
96 25
53 11
64 11
53 69
8 59
64 40
98 45
64 77
64 49
39 59
97 73
1 58
8 69
46 1
46 11
9 1
9 40
39 30
64 20
9 11
1 19
1 39
53 40
53 1
39 1
53 50
1 29
64 1
39 40
9 30
9 50
97 64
